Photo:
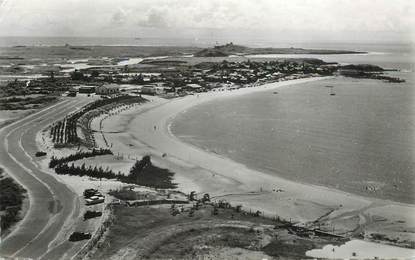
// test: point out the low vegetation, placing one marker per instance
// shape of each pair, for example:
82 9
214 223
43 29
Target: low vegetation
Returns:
46 86
212 238
130 195
11 199
24 103
127 194
157 233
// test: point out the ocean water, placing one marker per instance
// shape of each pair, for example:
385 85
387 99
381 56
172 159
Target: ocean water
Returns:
100 41
361 141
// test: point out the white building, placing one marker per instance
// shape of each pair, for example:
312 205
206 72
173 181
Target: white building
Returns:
107 89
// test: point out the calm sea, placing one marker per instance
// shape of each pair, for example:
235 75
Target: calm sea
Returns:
362 140
100 41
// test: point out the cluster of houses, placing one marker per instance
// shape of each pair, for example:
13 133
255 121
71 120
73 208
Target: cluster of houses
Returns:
249 72
233 75
209 76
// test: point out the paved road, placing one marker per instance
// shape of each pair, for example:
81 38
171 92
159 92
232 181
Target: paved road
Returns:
51 202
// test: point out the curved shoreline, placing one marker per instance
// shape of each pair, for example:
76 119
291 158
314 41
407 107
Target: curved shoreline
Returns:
180 124
346 193
220 176
168 123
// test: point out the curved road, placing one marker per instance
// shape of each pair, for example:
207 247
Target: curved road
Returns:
51 202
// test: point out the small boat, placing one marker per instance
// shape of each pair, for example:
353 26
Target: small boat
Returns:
275 92
331 92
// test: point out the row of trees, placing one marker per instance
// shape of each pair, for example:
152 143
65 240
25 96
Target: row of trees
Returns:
60 133
119 99
95 172
64 131
143 173
77 156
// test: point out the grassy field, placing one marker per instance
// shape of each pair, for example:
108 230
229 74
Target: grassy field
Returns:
154 233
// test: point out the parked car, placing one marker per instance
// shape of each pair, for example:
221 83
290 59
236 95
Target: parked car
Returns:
94 200
91 192
92 214
78 236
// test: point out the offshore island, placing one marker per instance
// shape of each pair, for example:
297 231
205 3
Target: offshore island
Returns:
88 142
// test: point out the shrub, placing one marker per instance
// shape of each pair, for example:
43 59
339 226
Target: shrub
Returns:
146 174
11 199
124 194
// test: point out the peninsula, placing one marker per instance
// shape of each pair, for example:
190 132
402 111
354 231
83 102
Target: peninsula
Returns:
234 49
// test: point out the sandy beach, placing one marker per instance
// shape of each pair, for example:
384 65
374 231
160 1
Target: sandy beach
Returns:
145 130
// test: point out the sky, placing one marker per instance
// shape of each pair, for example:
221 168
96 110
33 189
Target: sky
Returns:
377 20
